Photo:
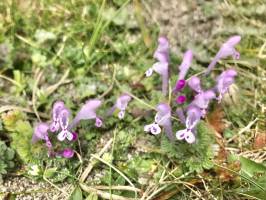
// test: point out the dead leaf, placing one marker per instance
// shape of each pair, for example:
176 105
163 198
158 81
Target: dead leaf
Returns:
215 119
260 141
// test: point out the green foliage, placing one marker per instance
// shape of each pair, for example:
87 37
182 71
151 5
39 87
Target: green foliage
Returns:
196 157
76 195
20 132
7 156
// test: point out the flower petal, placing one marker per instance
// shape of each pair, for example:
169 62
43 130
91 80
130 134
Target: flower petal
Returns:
190 138
184 67
98 122
155 129
62 135
121 114
147 128
87 111
194 84
67 153
149 72
180 135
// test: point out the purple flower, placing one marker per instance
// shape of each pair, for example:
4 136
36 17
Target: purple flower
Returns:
161 67
67 153
162 51
224 80
64 122
181 115
183 69
87 111
181 99
153 128
227 49
121 104
193 117
40 132
194 84
162 118
180 84
202 100
57 107
98 122
75 136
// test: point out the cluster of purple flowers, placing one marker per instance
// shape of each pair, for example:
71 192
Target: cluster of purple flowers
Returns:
191 114
63 128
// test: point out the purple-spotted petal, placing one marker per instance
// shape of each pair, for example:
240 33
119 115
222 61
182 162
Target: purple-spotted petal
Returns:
98 122
194 84
190 138
64 118
193 116
149 72
121 114
58 106
180 135
147 128
155 129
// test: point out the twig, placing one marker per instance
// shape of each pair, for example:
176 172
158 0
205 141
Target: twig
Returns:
91 165
243 130
54 87
114 168
102 194
35 87
28 110
117 187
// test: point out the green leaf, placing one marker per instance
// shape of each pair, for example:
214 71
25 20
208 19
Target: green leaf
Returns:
49 173
92 196
250 167
76 195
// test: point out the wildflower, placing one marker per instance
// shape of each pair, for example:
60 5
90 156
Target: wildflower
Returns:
227 49
161 67
181 99
64 122
202 100
162 118
88 111
57 107
181 115
121 104
41 133
183 69
162 51
194 84
224 80
193 117
67 153
61 122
